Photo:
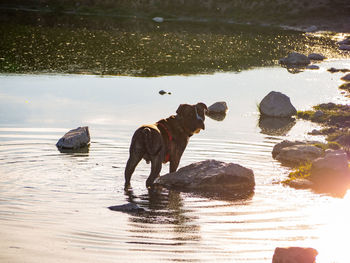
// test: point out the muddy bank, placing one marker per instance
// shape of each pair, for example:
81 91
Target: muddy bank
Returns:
325 14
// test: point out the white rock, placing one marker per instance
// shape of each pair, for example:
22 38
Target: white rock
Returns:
158 19
210 175
276 104
75 139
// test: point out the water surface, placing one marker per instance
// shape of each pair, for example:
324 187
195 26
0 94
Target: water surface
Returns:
53 206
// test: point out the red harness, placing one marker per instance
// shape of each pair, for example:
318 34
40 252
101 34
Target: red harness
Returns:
167 156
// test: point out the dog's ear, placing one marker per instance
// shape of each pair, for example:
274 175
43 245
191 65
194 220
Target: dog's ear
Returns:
181 110
202 107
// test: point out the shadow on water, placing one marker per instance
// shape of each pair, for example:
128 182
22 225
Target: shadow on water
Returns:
46 43
276 126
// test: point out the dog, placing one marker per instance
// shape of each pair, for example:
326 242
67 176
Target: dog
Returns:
165 141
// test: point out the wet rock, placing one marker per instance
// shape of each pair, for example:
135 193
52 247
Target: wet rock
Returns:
312 67
299 154
316 56
346 77
210 175
285 143
295 59
127 208
75 139
218 107
344 47
294 255
158 19
276 104
296 152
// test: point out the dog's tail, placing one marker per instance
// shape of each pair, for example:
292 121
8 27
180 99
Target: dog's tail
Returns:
152 141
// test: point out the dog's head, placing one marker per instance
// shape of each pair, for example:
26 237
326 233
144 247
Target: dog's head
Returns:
193 116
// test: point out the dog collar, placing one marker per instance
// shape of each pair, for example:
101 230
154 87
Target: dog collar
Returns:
167 156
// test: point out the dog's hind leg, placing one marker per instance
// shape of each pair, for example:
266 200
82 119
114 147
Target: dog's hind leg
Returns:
156 166
133 161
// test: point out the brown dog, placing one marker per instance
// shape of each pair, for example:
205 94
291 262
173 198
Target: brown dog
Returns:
164 141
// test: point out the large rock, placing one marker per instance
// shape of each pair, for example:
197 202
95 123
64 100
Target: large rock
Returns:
344 47
210 175
276 104
295 59
294 255
75 139
285 143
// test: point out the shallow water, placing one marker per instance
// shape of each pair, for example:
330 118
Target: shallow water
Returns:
54 206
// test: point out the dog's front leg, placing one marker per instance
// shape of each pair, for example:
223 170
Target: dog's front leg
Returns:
156 167
174 163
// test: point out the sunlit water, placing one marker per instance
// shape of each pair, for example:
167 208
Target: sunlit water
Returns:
54 206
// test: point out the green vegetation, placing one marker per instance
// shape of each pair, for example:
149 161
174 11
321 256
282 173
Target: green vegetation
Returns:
335 119
303 171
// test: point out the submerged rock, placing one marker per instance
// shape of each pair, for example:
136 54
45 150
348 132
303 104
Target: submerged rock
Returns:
295 59
210 175
75 139
276 104
316 56
294 255
127 208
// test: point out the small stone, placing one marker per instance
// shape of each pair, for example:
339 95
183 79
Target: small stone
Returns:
344 47
316 56
300 183
315 132
312 67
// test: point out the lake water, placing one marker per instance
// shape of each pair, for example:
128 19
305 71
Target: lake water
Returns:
54 206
